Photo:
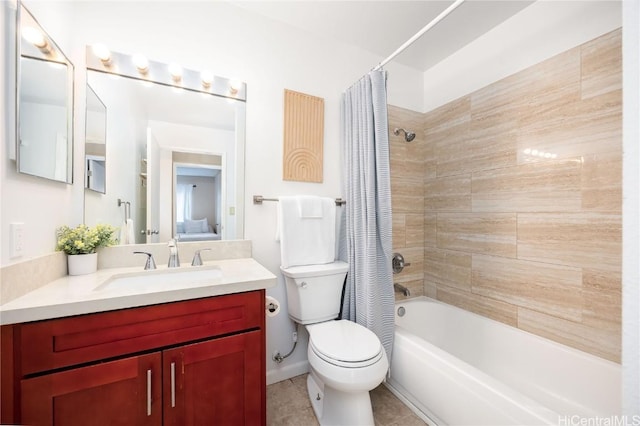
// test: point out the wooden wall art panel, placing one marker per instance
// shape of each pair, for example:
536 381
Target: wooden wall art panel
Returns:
303 137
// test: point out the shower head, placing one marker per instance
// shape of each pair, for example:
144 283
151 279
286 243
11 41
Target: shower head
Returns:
408 136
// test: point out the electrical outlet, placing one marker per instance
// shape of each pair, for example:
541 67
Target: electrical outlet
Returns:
17 239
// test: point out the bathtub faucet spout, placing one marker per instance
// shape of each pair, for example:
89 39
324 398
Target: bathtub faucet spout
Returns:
401 289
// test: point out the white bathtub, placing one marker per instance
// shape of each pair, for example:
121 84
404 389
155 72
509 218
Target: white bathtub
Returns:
460 368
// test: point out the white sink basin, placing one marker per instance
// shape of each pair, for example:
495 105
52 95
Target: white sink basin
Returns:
164 278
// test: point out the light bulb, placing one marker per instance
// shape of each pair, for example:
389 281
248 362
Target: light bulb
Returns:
234 86
176 71
207 78
34 36
102 52
141 63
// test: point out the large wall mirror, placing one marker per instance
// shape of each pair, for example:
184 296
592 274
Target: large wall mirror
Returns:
174 159
45 104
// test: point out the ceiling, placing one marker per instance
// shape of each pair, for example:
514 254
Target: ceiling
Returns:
380 27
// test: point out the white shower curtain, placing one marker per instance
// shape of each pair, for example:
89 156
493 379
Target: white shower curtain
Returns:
368 296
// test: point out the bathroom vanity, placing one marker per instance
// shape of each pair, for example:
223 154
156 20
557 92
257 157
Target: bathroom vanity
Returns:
173 362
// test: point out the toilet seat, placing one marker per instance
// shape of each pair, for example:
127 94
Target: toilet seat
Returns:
345 344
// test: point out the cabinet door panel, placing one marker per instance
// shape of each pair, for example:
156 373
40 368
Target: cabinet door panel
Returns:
217 382
112 393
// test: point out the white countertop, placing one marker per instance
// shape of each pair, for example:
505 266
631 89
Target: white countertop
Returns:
84 294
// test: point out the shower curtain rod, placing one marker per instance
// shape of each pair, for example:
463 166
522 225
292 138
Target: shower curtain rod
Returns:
419 34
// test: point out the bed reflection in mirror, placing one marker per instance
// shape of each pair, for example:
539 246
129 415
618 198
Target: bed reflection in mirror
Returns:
198 197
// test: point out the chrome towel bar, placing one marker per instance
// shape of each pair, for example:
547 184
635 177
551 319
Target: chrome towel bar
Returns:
258 199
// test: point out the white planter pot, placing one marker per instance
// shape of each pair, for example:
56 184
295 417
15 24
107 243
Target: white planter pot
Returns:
81 264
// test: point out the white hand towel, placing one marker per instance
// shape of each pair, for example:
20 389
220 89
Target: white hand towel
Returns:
127 235
310 207
130 232
306 241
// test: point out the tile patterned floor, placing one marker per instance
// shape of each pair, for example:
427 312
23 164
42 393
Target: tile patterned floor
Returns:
288 404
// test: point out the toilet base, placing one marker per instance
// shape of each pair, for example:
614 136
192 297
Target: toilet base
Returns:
336 408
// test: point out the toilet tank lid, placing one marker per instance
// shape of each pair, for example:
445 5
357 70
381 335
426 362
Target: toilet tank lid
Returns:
302 271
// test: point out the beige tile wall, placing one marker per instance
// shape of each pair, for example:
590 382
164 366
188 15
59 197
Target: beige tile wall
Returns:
531 240
407 182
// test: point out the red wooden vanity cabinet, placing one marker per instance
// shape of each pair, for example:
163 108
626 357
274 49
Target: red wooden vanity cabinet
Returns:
195 362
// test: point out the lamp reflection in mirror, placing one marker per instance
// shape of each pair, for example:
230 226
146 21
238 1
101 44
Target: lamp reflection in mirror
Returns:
37 38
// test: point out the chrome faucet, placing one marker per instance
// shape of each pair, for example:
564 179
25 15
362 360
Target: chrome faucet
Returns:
150 263
401 289
174 259
197 260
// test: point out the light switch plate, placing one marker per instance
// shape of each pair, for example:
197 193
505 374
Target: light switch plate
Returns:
17 239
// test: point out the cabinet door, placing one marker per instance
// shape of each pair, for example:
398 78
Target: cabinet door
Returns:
123 392
216 382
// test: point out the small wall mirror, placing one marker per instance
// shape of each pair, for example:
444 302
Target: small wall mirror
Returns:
95 146
44 104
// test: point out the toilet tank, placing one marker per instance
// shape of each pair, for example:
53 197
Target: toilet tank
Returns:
314 291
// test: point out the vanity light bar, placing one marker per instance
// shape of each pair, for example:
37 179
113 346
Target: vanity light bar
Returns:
158 72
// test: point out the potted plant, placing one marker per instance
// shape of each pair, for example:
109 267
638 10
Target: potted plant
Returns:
80 244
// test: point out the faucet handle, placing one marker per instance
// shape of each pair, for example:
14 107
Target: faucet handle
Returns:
150 263
197 260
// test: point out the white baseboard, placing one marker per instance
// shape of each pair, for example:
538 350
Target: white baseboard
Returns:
279 374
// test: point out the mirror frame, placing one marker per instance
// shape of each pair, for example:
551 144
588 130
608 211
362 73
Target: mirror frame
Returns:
60 58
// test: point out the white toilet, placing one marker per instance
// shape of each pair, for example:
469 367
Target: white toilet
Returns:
347 360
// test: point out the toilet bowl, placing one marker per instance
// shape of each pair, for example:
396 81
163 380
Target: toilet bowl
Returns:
347 360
